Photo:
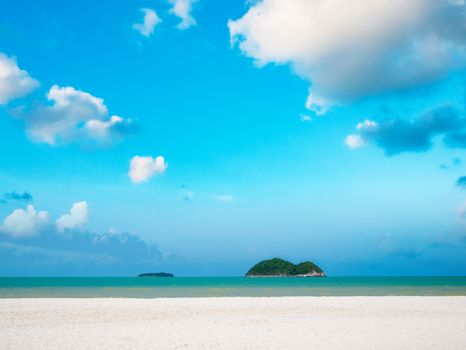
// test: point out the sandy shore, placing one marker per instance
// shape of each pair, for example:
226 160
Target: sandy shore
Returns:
235 323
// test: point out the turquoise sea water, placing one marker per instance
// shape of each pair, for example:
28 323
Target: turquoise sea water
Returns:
89 287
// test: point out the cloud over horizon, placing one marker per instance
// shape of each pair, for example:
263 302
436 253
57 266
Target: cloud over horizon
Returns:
349 50
31 245
25 222
30 222
77 217
78 253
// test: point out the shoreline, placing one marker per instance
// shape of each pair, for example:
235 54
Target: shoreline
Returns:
196 287
213 297
360 322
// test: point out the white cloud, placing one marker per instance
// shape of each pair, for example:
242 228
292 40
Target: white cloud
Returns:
358 48
14 82
367 125
225 198
142 169
182 9
151 19
103 129
76 218
25 223
354 141
74 115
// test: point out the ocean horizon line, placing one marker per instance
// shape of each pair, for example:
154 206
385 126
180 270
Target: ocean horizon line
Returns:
226 276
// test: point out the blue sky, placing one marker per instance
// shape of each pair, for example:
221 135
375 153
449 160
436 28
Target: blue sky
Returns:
210 135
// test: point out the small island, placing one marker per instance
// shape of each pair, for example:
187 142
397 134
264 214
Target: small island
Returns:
156 274
281 268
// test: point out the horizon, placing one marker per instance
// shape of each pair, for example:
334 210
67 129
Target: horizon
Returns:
166 135
227 276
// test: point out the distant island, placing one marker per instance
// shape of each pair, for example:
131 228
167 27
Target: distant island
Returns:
156 274
281 268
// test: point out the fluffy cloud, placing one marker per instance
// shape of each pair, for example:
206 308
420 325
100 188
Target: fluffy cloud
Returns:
352 49
105 129
397 135
14 82
142 169
151 19
76 218
24 223
31 246
354 141
74 115
182 9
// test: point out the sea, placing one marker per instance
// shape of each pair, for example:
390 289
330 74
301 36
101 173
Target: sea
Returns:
173 287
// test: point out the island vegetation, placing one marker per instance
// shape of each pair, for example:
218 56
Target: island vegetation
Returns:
277 267
156 274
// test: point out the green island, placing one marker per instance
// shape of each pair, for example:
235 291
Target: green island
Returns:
277 267
156 274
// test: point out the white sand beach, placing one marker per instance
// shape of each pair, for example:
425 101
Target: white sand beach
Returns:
235 323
